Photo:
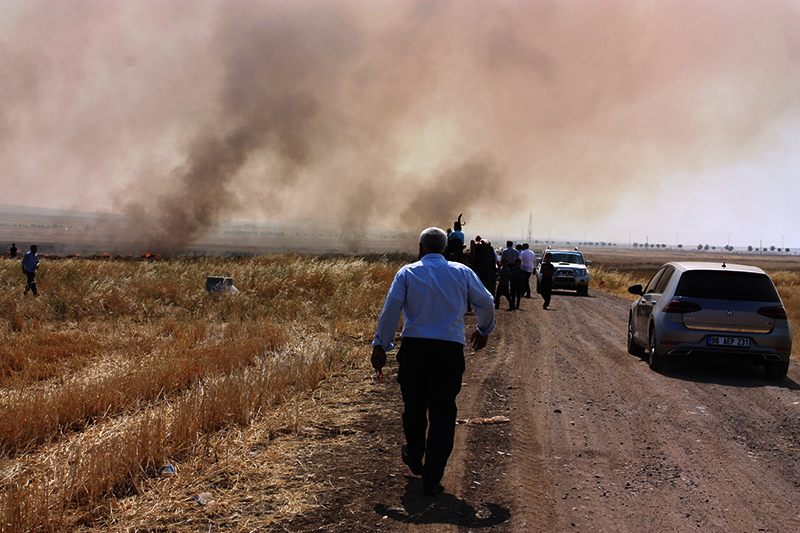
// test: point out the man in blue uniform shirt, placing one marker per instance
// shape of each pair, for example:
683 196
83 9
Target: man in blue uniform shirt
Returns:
30 262
432 295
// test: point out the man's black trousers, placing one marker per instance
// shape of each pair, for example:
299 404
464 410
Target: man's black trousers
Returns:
502 290
31 285
527 284
429 374
547 291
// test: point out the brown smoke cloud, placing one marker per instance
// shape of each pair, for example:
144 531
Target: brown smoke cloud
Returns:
180 114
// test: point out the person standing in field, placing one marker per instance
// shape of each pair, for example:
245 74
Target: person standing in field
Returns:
432 295
30 263
528 267
12 252
547 270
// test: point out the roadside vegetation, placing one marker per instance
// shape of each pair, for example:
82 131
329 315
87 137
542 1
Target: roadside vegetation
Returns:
123 367
120 367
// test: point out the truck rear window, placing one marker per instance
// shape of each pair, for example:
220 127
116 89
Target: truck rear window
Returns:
713 284
567 258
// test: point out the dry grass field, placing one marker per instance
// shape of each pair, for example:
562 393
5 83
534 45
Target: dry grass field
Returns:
121 367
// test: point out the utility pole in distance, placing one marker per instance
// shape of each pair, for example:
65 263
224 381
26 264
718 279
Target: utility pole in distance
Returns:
530 227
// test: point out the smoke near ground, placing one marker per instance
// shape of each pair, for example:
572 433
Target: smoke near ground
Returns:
180 114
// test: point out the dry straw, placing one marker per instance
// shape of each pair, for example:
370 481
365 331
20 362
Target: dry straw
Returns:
121 366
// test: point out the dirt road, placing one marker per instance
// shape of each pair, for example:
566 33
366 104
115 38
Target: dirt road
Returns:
596 440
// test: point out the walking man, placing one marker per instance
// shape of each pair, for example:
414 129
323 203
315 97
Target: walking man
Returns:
503 285
432 295
12 252
548 270
528 267
30 262
517 279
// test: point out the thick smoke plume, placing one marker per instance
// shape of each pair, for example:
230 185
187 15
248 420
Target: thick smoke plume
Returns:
181 114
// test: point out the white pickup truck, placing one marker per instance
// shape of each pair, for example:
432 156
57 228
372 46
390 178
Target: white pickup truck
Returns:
571 271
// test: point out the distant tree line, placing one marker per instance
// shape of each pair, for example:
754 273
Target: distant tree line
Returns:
652 245
707 247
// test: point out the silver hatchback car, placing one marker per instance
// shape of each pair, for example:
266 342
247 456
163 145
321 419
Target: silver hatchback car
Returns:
710 309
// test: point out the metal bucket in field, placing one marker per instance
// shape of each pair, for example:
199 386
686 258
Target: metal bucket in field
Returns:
220 284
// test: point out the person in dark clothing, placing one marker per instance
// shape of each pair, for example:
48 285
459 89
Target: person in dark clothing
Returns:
30 263
12 252
503 285
517 280
547 270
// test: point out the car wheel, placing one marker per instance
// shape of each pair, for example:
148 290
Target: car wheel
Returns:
657 362
538 289
776 369
583 291
633 348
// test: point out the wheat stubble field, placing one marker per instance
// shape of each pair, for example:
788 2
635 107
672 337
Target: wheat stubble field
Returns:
123 367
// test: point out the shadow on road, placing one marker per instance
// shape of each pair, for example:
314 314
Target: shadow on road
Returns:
444 508
730 373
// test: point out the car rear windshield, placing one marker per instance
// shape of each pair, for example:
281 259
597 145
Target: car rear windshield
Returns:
567 258
713 284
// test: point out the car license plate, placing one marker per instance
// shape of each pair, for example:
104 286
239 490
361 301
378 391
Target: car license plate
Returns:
736 342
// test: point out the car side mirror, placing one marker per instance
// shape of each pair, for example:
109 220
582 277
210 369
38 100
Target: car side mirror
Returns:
638 290
588 263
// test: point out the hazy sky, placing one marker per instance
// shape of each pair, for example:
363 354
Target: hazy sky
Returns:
677 121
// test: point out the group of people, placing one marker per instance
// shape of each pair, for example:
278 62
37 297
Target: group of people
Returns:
30 263
517 265
432 295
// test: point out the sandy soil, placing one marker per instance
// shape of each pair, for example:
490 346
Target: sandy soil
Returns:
596 440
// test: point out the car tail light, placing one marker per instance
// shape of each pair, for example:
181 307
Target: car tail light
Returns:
679 306
776 311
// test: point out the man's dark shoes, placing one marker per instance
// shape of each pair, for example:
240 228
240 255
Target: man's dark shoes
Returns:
431 489
414 466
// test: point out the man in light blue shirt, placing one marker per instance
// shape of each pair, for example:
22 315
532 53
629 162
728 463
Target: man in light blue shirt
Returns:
510 253
457 233
432 296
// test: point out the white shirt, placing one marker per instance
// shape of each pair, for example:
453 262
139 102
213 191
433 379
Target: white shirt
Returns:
528 260
432 295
